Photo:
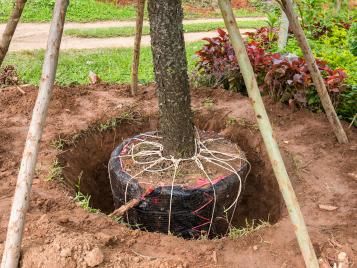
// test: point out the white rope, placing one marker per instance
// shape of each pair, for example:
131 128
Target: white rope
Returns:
153 156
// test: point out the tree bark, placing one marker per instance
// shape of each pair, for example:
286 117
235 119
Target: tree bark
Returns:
283 31
288 9
170 66
10 28
136 53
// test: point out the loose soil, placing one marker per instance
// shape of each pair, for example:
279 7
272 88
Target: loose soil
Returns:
92 120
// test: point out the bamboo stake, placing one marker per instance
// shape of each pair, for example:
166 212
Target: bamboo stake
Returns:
268 136
288 9
10 28
136 53
28 163
283 31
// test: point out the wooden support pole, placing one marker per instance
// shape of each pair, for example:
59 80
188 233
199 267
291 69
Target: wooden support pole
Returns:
338 6
136 53
287 7
10 28
268 136
29 158
283 31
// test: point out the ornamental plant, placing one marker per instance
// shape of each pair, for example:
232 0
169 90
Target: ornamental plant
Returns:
285 78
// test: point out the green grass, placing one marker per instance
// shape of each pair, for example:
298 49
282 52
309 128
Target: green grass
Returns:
217 14
130 31
248 13
91 10
112 65
78 10
250 228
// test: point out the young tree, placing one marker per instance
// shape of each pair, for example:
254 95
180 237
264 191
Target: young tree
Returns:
170 66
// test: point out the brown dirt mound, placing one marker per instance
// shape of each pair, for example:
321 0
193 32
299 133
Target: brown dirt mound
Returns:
59 233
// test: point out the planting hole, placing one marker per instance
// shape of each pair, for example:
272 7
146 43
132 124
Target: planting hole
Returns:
85 170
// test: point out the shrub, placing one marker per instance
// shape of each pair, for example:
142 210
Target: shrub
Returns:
352 38
264 37
318 16
347 108
285 78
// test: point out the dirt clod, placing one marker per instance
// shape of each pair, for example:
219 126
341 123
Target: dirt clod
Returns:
94 257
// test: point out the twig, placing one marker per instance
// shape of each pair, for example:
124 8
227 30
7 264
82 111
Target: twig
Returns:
353 120
144 256
19 89
124 208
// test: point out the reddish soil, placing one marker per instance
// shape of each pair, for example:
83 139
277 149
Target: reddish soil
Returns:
59 233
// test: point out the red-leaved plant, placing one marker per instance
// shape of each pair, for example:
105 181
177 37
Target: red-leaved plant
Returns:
264 36
285 78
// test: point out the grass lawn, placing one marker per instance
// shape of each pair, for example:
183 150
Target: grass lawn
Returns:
78 10
130 31
112 65
91 10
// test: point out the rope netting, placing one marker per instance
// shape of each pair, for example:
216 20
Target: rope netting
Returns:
146 151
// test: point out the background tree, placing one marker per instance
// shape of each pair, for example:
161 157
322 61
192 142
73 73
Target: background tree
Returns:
170 66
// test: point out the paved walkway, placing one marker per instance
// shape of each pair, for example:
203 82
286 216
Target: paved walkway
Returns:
31 36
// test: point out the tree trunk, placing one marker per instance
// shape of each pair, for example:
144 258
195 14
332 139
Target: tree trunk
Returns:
335 123
170 66
136 53
283 31
10 28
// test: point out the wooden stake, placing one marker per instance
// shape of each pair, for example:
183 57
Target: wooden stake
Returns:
288 9
29 158
10 29
268 136
124 208
283 31
136 53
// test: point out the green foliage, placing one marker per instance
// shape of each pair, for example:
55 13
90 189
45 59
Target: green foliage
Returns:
130 31
83 200
78 10
285 79
264 6
319 16
352 38
246 13
92 10
348 104
55 171
333 49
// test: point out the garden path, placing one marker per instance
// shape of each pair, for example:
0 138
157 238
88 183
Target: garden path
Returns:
32 36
